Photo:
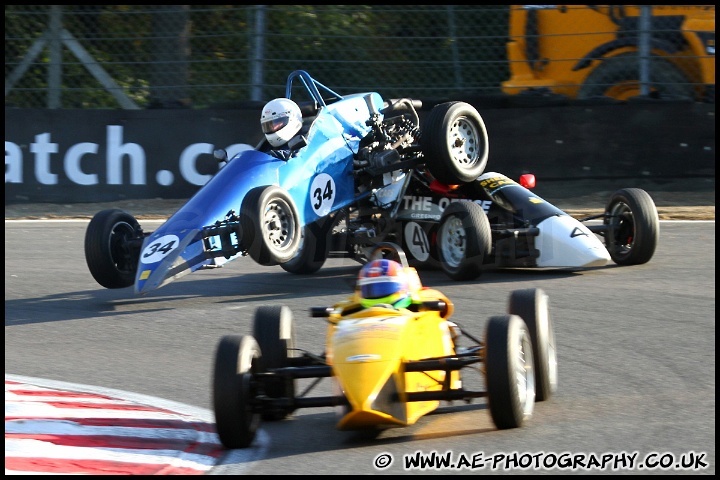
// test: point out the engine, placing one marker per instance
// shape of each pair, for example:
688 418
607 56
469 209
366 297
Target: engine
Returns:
392 143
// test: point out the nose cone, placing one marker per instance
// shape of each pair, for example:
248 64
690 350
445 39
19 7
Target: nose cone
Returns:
565 242
167 256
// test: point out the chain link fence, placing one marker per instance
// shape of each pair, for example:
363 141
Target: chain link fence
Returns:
220 56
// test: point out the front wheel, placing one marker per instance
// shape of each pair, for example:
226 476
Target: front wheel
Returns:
531 304
463 240
234 390
633 227
270 225
311 253
112 247
509 371
455 143
274 331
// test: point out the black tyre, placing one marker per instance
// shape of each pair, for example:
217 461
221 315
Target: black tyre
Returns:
274 331
112 246
464 240
618 77
531 304
633 227
270 224
455 143
234 390
509 371
312 252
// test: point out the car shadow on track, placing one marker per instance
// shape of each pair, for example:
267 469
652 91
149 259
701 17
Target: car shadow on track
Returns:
273 285
445 422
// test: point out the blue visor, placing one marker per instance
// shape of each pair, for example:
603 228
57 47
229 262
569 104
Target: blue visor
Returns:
380 287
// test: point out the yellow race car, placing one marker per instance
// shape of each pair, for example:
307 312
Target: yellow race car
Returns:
392 355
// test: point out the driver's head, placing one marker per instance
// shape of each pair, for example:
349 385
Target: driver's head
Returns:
384 281
280 121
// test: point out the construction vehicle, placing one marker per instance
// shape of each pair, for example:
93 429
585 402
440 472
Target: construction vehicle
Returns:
615 51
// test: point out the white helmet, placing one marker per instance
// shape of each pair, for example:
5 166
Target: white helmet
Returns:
280 120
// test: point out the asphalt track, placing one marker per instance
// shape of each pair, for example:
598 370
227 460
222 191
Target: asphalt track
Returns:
636 348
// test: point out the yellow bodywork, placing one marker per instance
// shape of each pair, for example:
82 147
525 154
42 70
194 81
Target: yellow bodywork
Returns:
559 36
368 350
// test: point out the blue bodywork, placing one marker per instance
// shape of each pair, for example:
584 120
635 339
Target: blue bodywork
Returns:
205 232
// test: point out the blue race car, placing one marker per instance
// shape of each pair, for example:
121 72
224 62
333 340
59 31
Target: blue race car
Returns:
361 171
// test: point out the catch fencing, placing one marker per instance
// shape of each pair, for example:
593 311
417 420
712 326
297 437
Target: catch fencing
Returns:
224 56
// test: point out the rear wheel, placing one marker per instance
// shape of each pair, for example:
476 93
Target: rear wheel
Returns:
455 142
270 224
275 333
463 240
633 227
234 390
531 304
112 248
509 371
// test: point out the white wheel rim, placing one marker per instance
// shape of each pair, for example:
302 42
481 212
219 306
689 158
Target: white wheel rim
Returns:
453 241
278 224
463 139
525 375
544 321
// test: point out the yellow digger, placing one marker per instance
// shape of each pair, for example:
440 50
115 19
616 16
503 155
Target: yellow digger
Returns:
616 51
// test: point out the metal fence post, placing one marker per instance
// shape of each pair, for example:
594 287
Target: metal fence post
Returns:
256 67
644 48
